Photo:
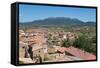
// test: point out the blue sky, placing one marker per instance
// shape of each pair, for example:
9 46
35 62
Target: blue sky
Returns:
29 13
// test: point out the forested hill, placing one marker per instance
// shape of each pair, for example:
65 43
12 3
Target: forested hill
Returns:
58 21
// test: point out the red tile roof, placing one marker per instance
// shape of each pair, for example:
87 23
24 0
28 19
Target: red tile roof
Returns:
80 53
61 49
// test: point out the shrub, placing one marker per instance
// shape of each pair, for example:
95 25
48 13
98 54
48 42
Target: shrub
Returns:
66 43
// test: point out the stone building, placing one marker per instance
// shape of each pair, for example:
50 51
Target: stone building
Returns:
35 46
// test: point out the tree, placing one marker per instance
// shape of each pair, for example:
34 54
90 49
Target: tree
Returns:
85 43
66 43
94 39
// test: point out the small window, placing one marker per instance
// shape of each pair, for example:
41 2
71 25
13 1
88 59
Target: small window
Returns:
23 47
39 51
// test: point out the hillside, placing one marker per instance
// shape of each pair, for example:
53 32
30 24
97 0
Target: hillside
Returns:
57 21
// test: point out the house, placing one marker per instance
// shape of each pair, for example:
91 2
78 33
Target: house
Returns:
36 44
80 53
61 52
39 50
57 52
22 46
21 33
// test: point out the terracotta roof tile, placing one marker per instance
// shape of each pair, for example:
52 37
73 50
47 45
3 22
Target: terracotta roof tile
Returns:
80 53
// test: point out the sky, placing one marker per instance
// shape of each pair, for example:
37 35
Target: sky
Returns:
28 13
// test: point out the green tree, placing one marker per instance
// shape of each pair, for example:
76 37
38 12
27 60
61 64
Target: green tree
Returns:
85 43
66 43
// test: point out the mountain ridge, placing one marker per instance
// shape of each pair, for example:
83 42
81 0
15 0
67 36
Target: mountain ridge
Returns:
59 21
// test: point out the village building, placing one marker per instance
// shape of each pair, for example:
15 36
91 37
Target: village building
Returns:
36 44
39 45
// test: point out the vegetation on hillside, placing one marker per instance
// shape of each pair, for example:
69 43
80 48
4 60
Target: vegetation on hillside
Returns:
85 43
